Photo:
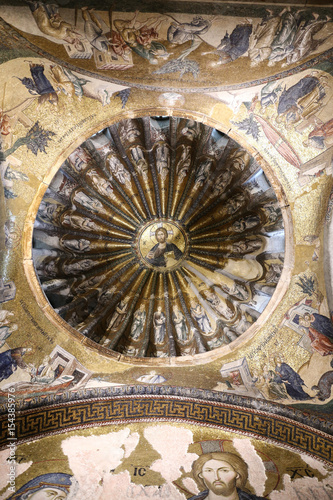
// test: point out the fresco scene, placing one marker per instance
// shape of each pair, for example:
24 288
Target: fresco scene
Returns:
166 288
166 461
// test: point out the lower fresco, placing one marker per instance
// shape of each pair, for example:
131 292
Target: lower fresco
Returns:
163 460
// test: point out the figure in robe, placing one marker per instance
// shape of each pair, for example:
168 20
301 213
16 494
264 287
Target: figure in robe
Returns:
139 319
156 256
220 307
305 40
10 360
93 30
184 163
234 45
79 159
80 245
221 183
53 485
282 43
301 100
5 332
119 315
202 174
262 37
179 321
141 37
291 379
321 136
275 387
87 201
159 320
320 331
50 23
39 85
44 374
179 33
162 160
200 316
117 169
102 185
4 320
140 162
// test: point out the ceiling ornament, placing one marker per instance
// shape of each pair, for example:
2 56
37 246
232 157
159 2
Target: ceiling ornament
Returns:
159 237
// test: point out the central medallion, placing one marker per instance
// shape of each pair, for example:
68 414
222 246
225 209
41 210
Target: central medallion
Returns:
162 244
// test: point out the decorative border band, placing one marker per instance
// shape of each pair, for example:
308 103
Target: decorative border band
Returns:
37 422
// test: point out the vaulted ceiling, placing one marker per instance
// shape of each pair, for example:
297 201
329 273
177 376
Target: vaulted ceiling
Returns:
166 245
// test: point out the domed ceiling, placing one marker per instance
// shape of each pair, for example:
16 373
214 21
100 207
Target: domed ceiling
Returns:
159 237
166 289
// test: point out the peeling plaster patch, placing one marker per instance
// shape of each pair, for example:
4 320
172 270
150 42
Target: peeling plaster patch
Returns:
120 486
315 464
19 469
257 473
304 489
131 443
118 483
171 99
92 458
191 485
172 444
234 99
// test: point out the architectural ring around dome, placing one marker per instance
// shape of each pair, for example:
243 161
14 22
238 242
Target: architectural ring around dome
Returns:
173 231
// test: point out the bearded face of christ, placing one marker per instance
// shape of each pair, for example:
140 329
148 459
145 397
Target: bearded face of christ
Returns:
219 477
161 235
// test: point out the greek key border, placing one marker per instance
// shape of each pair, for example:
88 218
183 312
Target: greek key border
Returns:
44 421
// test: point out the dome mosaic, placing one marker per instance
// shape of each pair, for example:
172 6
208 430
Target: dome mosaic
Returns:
159 237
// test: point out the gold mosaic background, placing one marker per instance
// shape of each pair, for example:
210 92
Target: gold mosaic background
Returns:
242 98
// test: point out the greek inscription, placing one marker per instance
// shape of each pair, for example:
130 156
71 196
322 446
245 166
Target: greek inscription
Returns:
34 322
76 126
299 472
140 471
